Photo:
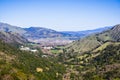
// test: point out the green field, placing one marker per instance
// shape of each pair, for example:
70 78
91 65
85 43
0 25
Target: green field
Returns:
57 49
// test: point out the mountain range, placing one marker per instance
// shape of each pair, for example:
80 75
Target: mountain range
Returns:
35 33
87 32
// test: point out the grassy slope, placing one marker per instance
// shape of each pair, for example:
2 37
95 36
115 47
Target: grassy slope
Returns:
84 44
107 63
93 41
103 63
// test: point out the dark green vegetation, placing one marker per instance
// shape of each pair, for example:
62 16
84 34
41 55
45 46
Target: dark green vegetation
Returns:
102 63
22 65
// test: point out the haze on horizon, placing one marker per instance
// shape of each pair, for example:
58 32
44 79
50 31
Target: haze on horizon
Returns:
61 15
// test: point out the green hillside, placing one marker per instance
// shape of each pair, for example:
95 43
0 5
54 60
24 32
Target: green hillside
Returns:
103 63
93 41
22 65
95 57
106 65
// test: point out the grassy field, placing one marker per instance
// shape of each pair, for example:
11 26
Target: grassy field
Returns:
57 49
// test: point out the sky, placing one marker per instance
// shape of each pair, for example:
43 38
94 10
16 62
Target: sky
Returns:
61 15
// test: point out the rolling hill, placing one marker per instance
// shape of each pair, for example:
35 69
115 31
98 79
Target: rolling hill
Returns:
104 64
93 41
95 57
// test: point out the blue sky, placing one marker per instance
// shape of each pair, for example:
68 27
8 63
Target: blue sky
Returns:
61 15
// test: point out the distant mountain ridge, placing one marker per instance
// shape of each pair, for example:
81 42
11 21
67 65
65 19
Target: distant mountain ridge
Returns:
39 32
9 28
87 32
12 34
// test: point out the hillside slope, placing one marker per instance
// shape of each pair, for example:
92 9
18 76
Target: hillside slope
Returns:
12 38
102 63
23 65
93 41
105 63
39 32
